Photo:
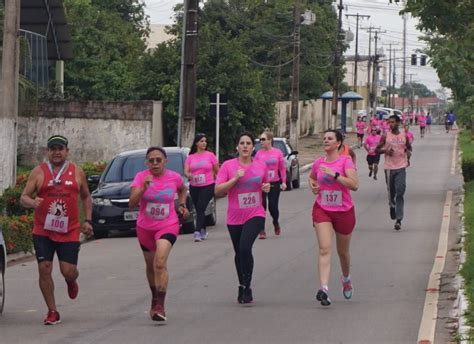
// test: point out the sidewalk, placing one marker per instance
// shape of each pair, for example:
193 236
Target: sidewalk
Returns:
310 147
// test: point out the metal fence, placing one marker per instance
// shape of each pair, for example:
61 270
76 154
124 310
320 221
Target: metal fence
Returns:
34 58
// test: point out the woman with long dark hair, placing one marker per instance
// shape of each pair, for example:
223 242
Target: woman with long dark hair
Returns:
200 168
243 179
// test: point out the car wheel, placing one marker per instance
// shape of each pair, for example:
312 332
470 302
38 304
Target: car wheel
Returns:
289 184
296 182
211 219
101 234
2 281
188 227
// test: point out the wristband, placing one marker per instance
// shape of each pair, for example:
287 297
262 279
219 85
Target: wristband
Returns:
182 205
88 221
336 175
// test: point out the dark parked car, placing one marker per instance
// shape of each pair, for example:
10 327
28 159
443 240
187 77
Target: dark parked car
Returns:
3 266
291 160
110 200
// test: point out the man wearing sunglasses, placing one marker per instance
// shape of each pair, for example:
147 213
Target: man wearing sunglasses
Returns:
52 190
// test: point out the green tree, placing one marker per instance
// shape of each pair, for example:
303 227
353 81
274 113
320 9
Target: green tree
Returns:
108 47
415 88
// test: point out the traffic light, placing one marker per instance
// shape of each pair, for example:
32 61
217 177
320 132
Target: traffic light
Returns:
413 59
423 60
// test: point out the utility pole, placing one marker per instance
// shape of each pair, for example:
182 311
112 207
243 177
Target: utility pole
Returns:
373 99
404 52
390 79
295 81
370 29
9 94
335 89
356 59
187 96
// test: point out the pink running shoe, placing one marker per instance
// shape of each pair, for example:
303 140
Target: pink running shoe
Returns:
346 288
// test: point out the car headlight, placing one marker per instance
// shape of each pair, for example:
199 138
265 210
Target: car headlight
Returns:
101 201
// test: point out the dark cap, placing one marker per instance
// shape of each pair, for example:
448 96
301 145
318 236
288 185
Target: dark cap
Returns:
57 140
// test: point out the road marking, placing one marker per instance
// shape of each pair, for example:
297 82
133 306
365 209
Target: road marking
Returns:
31 311
453 161
427 329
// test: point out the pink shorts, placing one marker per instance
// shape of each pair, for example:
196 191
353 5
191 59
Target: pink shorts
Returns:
342 221
148 237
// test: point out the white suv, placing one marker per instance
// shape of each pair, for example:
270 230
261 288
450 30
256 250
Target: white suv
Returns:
385 113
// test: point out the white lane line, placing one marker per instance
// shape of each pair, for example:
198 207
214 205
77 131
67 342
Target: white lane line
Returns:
454 156
427 329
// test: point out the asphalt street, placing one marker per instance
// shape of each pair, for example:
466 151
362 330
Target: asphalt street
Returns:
390 273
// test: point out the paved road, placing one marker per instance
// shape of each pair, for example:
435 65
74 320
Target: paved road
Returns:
390 274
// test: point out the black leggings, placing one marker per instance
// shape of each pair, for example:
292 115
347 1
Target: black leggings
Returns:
243 237
273 198
201 196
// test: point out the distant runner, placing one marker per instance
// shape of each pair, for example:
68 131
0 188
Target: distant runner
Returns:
373 159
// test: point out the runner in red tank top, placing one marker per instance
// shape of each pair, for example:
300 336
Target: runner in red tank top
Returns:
58 184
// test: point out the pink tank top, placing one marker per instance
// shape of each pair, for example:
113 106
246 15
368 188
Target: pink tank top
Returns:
399 145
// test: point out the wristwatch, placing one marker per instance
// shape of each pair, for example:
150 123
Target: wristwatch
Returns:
88 221
336 175
182 205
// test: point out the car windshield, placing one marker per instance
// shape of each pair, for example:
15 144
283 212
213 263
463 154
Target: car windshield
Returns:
277 144
124 169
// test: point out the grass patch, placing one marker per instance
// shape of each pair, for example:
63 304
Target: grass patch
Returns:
468 268
467 147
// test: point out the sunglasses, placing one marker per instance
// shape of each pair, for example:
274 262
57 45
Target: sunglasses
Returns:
155 160
263 139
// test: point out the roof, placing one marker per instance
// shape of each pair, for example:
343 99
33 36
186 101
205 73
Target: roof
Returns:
48 18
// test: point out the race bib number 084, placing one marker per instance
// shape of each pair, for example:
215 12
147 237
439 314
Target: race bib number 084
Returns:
331 198
249 200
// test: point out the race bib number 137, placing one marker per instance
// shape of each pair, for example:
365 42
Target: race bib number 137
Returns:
331 198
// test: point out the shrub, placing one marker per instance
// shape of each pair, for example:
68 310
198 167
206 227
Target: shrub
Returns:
10 199
17 232
467 166
93 168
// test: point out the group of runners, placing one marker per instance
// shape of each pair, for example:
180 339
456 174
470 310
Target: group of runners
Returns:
249 181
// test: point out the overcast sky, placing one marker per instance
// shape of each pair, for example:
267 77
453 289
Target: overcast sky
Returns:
382 14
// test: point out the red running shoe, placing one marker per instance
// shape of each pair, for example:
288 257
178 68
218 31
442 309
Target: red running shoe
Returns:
72 289
52 318
158 313
277 229
262 235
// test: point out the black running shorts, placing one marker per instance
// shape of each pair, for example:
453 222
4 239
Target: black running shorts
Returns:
45 248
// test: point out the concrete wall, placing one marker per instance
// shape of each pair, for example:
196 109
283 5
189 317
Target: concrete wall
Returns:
314 117
96 130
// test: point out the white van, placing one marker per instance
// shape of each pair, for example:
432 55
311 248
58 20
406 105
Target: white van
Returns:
385 113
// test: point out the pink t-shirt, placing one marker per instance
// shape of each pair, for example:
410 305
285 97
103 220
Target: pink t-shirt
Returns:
410 136
332 195
245 197
372 141
385 127
157 204
422 121
201 166
275 162
375 123
360 125
399 144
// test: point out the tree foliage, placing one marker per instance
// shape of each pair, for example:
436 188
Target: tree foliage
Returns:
449 32
108 41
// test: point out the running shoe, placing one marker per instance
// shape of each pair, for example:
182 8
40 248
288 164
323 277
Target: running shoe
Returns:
158 313
398 225
370 173
247 296
240 294
262 235
204 234
72 289
393 214
346 288
52 318
323 297
197 236
277 229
